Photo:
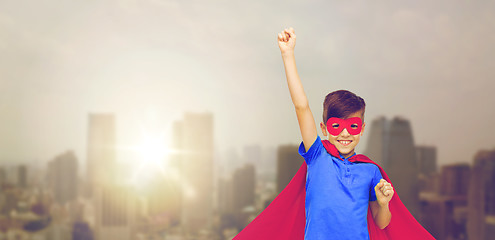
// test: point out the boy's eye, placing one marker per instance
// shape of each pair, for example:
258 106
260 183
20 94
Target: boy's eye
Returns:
335 125
354 126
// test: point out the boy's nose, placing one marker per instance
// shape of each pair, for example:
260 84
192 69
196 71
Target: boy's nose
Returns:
345 132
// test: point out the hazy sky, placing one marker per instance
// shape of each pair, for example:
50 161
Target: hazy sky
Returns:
149 61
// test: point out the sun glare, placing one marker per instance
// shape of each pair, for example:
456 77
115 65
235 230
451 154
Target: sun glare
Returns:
152 150
150 165
151 154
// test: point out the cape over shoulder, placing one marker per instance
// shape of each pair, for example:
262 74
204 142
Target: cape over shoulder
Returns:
285 217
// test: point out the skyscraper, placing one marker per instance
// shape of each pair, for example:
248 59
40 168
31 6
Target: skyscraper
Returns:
115 212
195 138
437 214
22 176
445 214
225 196
101 152
428 179
392 146
288 162
243 186
164 200
3 175
455 180
378 138
481 197
62 177
427 159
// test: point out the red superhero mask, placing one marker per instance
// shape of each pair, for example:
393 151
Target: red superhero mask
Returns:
336 125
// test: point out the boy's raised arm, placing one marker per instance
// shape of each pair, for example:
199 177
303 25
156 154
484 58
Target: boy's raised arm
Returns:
287 42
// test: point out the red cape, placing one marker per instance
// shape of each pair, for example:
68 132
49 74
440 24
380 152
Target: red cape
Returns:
285 217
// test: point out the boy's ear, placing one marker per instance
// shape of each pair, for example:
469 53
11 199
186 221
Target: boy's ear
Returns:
324 129
362 129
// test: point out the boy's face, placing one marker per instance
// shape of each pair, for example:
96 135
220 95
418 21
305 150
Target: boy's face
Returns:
344 141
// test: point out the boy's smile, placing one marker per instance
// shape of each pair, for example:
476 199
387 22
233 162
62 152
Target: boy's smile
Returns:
344 141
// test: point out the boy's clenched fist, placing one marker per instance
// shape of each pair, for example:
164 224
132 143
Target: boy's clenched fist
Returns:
384 192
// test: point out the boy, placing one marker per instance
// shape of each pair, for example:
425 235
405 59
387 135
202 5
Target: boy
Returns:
328 198
337 191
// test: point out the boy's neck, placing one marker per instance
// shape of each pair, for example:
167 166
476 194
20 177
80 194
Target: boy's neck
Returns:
347 156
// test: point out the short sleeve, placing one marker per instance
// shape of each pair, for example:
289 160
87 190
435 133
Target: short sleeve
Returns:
377 176
313 152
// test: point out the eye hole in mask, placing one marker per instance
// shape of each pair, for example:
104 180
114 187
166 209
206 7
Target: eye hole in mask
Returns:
336 125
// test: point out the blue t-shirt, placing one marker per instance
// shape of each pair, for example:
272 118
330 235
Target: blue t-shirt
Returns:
337 195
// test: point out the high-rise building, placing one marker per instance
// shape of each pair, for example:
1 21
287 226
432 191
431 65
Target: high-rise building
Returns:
115 212
101 152
10 199
195 142
426 159
392 146
455 180
164 203
436 215
243 187
225 196
22 176
62 177
378 138
445 214
228 219
288 162
481 197
3 176
428 179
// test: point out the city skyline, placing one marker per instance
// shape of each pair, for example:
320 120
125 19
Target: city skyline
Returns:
122 209
149 61
167 148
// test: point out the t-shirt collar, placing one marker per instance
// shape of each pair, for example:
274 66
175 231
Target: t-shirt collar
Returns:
346 159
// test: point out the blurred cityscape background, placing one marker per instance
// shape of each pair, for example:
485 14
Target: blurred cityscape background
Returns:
171 119
184 192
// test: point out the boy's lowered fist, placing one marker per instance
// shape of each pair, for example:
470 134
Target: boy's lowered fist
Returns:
287 40
384 192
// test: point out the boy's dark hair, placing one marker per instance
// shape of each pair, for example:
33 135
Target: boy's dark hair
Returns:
341 104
